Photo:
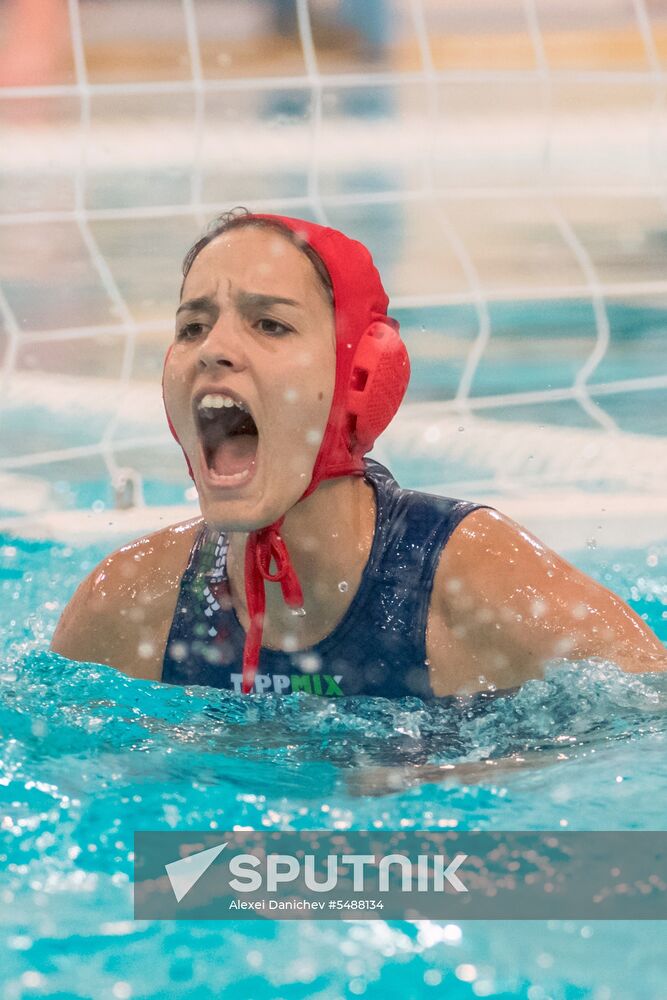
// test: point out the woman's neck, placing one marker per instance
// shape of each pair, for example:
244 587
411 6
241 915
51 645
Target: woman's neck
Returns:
329 537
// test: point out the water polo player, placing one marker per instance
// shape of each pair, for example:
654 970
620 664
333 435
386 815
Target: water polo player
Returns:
310 569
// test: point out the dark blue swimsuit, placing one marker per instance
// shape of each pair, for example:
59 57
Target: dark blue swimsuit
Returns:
379 646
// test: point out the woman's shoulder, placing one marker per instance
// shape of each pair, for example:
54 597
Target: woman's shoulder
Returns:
151 561
171 543
127 600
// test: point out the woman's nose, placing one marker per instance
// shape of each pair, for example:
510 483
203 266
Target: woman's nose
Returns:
223 347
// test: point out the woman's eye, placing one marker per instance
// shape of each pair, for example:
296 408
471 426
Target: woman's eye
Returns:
191 330
273 327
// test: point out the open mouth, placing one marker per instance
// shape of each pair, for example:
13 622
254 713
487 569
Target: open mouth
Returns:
228 435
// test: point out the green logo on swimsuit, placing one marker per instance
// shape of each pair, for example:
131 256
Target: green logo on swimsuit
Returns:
324 684
314 684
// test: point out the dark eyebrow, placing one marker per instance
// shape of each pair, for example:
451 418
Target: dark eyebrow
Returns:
246 300
203 304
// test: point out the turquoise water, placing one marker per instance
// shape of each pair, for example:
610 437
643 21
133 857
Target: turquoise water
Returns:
89 756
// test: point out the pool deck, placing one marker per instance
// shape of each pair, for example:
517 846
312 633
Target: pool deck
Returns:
567 521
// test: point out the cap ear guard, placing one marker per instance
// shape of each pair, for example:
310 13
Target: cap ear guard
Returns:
379 377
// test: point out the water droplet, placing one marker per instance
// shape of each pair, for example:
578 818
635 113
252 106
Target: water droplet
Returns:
461 427
299 612
343 586
310 663
561 793
591 543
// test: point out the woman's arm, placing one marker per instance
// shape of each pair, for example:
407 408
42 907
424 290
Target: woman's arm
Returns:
383 780
504 605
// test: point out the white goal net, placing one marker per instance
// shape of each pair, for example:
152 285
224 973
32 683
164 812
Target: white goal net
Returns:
505 161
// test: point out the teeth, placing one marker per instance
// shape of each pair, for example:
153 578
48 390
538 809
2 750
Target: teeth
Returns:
218 401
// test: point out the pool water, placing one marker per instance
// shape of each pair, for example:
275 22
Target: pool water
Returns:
89 756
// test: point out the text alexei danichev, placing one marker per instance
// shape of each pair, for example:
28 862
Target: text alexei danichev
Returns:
278 904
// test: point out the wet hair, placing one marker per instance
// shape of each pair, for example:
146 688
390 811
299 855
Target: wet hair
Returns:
238 218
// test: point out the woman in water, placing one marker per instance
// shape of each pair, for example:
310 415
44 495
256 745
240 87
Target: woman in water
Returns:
310 569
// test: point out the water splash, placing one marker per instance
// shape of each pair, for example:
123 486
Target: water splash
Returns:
89 756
